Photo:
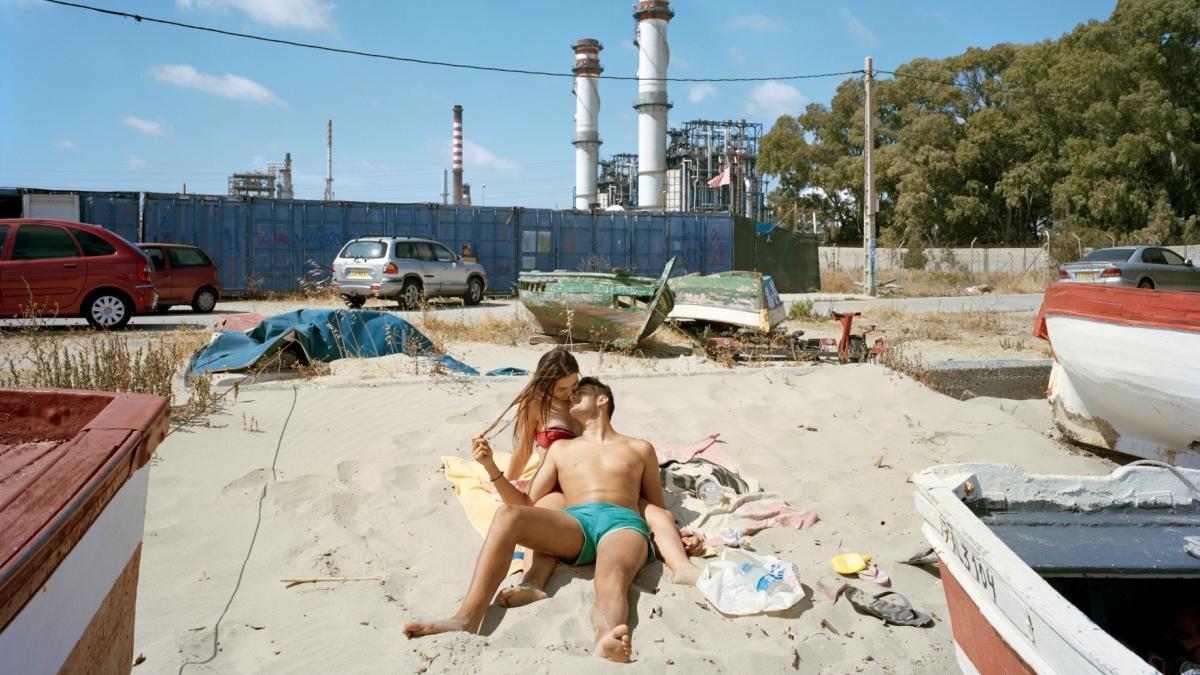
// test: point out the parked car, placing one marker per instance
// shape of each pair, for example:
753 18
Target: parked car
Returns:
60 268
184 275
1141 266
404 269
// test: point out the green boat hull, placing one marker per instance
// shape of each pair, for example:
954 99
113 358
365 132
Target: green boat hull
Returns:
608 308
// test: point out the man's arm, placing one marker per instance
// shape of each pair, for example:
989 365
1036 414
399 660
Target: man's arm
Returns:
651 487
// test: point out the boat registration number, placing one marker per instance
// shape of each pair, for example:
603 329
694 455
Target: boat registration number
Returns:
1085 276
359 274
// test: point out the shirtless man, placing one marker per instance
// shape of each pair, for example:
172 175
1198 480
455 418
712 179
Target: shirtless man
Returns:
602 474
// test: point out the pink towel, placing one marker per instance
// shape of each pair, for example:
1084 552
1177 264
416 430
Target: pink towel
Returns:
705 448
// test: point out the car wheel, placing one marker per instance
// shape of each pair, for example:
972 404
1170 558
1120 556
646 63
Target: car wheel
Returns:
107 310
1146 283
354 301
410 295
204 301
474 292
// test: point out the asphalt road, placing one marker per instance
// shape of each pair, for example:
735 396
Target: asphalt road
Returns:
824 302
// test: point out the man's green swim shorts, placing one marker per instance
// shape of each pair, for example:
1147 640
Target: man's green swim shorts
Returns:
597 519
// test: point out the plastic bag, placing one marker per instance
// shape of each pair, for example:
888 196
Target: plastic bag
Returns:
742 583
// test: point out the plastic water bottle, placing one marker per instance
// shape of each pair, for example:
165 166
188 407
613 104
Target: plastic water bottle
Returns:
765 579
709 491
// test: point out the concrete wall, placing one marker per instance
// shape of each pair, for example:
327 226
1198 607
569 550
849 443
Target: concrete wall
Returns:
977 260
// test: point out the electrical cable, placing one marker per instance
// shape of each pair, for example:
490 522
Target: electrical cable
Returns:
253 539
429 62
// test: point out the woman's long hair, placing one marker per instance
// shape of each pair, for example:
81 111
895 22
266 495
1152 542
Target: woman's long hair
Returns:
553 366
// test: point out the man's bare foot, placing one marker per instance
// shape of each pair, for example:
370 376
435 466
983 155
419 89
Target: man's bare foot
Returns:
687 576
615 645
414 629
520 595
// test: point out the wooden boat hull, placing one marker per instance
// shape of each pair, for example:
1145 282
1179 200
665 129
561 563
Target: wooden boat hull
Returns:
1005 617
615 310
73 511
1127 372
744 299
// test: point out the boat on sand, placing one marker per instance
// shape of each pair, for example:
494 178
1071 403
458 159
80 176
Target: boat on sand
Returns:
743 299
1067 574
616 309
1126 374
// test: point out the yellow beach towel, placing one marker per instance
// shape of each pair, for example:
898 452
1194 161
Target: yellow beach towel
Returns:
473 489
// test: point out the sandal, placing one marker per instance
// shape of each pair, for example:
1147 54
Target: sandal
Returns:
925 556
898 612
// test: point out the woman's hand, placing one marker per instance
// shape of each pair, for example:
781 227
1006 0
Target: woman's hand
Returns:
481 451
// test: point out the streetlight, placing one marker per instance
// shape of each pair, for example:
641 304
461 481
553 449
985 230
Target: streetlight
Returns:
483 195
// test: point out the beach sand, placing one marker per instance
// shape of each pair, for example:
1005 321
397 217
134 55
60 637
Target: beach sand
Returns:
353 487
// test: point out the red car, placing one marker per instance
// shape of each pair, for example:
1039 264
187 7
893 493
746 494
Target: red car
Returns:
72 269
184 275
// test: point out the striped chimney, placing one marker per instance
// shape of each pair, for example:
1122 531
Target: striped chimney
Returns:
456 155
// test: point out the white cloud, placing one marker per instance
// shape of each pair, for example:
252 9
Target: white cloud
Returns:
759 22
737 56
228 85
699 92
65 144
136 163
148 127
475 156
772 99
865 35
303 14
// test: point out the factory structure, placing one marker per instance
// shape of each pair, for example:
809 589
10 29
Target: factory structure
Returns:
704 166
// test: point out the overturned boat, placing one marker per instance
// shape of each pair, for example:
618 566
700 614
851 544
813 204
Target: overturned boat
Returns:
744 299
1126 374
1067 574
74 472
616 309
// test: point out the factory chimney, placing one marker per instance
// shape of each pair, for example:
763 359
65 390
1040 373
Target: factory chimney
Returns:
652 105
587 110
285 190
329 160
456 155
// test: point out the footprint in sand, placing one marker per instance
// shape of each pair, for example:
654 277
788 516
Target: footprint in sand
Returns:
250 482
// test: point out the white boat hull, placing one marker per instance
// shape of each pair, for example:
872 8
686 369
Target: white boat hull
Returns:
1133 389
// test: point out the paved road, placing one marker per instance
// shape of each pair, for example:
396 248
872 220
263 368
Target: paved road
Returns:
824 302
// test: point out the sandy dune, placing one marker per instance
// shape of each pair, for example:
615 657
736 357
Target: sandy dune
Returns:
357 490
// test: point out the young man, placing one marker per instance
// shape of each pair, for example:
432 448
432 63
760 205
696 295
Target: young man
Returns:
602 474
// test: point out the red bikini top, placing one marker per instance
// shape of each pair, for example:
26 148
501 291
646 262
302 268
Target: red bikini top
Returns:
546 437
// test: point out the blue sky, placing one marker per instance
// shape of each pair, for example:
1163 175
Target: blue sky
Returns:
100 103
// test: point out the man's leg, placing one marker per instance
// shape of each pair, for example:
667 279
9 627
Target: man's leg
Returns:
553 532
618 558
538 566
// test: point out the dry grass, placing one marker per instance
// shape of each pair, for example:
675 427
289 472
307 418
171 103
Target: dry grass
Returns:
489 328
921 283
37 356
942 326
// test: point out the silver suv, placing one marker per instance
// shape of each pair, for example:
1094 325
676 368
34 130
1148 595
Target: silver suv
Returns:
404 269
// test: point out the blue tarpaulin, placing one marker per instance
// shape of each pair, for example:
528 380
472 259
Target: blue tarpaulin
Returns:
318 335
764 228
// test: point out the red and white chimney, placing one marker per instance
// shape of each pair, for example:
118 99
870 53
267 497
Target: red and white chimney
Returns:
457 156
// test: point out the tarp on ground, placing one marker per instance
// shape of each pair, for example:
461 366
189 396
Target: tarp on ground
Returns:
318 335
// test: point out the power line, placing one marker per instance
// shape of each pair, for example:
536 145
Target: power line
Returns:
427 62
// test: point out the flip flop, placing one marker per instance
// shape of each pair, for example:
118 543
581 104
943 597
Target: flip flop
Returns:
899 612
924 556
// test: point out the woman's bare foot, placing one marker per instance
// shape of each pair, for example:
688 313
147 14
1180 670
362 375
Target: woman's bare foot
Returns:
687 576
520 595
615 645
414 629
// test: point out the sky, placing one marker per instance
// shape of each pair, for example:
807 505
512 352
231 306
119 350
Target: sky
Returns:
95 102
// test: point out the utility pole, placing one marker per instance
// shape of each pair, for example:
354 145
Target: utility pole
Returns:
329 160
869 182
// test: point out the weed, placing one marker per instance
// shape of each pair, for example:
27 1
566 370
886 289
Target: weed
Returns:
901 359
801 309
1013 343
250 423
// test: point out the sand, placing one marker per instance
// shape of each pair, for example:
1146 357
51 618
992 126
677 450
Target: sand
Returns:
357 490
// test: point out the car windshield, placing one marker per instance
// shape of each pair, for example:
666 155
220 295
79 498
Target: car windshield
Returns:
364 249
1109 255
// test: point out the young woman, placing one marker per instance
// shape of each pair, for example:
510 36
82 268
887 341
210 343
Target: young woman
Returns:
543 417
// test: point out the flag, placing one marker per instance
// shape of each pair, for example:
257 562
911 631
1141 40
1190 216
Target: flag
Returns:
721 179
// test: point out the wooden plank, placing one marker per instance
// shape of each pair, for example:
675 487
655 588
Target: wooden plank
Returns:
106 646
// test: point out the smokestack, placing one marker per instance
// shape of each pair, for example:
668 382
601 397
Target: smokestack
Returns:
652 105
285 178
587 110
456 155
329 160
445 187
